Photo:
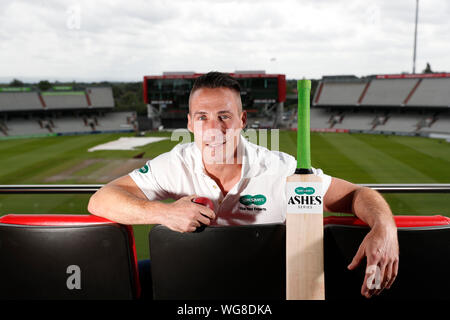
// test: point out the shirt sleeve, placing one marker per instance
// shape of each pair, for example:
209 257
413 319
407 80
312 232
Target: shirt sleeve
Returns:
326 179
145 179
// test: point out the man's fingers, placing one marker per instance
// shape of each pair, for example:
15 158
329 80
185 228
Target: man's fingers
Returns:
203 219
208 212
394 272
370 283
203 209
387 275
195 224
364 288
357 258
372 279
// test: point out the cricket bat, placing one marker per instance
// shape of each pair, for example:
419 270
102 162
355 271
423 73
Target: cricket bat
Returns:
304 218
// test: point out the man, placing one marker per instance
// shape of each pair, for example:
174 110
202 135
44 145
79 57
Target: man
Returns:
223 166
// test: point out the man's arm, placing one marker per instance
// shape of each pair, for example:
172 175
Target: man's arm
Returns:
380 246
123 201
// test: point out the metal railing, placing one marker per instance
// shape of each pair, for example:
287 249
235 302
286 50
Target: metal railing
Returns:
91 188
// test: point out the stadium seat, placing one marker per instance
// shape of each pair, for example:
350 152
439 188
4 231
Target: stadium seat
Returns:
66 257
424 243
233 262
248 262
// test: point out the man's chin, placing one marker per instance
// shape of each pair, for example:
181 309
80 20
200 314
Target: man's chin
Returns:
218 154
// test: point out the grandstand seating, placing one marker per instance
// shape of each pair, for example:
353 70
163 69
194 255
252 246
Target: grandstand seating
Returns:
401 122
357 121
432 92
92 97
100 97
441 124
65 125
111 121
60 111
415 104
382 92
416 92
341 93
13 101
117 121
381 121
24 127
56 101
319 119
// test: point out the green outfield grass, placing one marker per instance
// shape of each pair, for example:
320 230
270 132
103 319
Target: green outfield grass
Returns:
358 158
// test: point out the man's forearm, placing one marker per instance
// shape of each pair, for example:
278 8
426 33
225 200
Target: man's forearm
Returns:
119 205
371 207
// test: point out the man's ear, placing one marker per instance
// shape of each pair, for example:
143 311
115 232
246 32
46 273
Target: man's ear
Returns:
190 125
244 119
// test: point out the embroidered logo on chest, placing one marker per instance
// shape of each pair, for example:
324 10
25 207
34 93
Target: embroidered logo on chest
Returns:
257 200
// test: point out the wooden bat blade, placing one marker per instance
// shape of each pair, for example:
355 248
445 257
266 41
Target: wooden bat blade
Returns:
304 238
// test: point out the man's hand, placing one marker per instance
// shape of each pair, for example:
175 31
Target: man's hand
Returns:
380 247
184 215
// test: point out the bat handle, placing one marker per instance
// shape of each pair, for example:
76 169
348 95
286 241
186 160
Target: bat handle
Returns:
303 124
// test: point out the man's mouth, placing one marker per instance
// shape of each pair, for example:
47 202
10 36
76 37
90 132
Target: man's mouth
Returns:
215 144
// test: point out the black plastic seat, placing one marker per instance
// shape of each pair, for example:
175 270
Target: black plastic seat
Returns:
424 244
248 262
66 257
235 262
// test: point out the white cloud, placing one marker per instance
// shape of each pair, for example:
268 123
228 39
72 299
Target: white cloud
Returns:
118 40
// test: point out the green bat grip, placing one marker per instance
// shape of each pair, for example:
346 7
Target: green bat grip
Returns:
303 136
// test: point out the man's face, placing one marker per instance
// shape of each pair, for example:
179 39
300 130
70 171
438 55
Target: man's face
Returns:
216 119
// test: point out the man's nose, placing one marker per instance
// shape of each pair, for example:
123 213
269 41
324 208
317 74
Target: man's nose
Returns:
214 124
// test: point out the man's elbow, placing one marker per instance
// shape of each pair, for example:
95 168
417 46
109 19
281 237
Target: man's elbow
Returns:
94 205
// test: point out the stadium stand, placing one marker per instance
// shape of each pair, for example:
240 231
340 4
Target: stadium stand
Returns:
65 100
112 121
319 119
402 122
382 92
340 93
441 124
100 97
416 104
357 121
61 110
24 127
432 92
122 120
14 101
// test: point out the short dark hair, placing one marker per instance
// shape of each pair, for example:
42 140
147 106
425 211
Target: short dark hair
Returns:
214 80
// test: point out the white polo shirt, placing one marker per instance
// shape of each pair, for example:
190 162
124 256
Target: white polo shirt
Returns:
259 196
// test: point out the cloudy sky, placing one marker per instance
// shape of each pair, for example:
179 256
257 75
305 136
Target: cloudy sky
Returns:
124 40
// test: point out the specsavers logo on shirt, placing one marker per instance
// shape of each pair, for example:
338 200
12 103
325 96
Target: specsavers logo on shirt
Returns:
144 169
252 203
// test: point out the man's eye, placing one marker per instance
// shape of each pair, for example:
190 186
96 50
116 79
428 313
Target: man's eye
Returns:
224 117
201 118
